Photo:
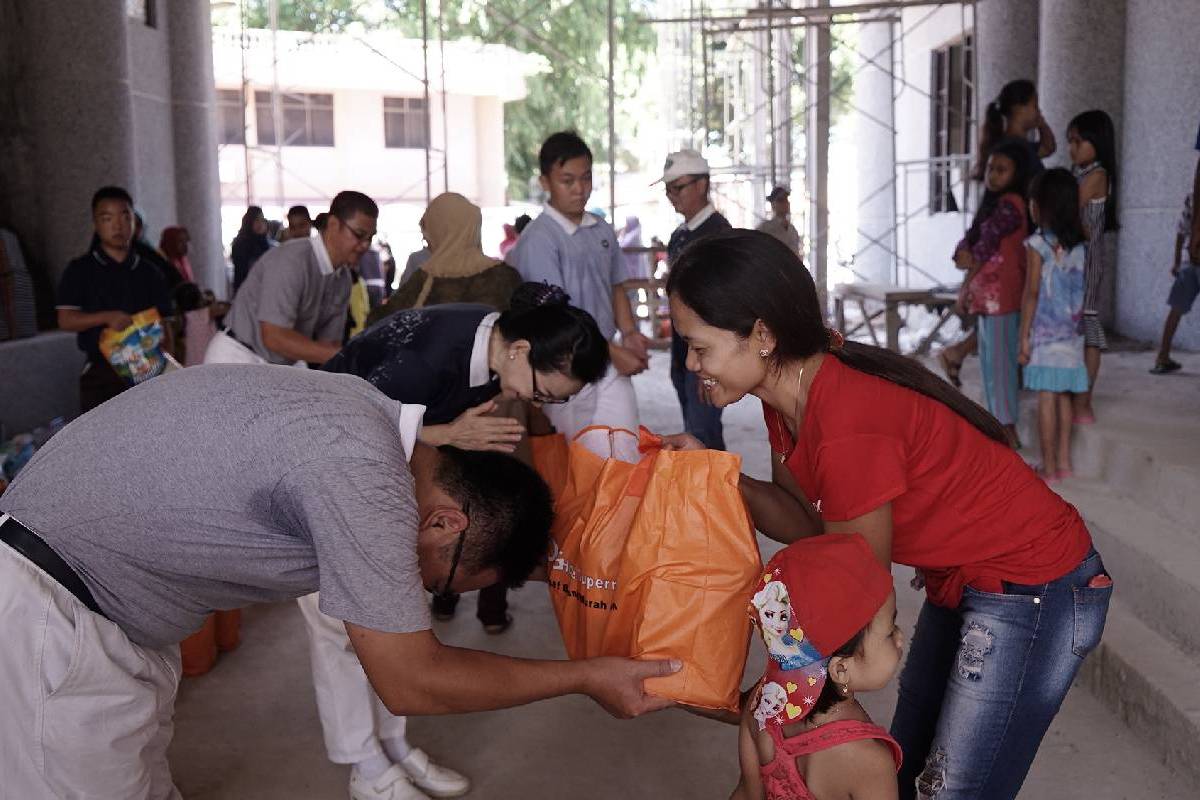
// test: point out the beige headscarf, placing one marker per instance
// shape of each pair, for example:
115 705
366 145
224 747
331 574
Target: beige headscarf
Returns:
451 226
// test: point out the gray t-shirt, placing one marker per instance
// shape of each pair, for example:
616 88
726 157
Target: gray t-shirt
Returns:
290 286
586 262
219 486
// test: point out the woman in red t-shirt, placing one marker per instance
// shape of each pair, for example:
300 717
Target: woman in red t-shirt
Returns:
864 440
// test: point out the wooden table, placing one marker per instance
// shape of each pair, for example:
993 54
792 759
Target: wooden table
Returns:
891 298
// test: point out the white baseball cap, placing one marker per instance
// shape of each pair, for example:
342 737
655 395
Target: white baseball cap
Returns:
683 162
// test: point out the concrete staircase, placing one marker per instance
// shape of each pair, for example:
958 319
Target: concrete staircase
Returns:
1138 487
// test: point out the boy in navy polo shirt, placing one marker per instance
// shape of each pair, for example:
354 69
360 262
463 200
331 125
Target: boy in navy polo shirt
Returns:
568 247
102 288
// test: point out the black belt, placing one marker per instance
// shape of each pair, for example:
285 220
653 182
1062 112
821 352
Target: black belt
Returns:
32 546
229 332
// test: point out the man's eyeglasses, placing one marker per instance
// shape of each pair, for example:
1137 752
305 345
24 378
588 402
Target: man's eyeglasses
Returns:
538 396
363 236
458 551
676 188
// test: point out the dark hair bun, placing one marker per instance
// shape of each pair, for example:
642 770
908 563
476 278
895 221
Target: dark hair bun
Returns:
530 295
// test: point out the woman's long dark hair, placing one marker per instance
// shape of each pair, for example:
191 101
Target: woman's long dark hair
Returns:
562 338
1056 193
734 278
252 213
1022 170
1014 93
1097 127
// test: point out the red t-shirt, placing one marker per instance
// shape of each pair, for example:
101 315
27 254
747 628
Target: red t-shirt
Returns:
966 510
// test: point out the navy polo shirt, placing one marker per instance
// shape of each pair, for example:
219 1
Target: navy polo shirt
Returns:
435 356
94 282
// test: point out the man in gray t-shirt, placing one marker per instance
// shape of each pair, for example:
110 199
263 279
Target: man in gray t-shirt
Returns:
219 486
292 306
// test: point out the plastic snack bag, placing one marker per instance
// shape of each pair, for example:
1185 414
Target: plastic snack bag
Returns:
656 559
136 353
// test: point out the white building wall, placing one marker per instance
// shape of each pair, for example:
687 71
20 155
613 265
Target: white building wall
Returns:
491 175
926 240
360 160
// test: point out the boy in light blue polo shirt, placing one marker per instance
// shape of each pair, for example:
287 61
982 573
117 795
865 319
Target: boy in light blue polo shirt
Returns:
568 247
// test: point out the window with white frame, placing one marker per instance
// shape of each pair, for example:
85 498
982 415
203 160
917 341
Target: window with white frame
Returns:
307 119
404 122
951 88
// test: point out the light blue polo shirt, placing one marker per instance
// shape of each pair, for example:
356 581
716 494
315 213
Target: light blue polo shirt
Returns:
585 260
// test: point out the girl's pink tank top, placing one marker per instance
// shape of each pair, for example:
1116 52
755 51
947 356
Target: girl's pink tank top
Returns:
782 779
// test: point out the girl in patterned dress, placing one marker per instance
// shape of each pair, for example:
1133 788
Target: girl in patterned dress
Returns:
993 256
1091 142
1052 339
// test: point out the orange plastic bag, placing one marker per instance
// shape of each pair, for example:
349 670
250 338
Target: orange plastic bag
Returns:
551 460
657 559
199 651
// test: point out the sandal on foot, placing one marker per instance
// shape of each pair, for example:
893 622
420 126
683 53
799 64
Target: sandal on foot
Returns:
1165 367
1083 419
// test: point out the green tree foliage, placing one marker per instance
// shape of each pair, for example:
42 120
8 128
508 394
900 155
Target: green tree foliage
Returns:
314 16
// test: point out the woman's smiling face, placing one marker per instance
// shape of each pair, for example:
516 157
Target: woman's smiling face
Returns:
727 365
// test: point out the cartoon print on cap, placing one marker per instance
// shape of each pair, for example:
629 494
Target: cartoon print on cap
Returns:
771 701
785 643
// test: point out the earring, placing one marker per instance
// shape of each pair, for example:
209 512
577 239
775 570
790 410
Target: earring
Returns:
512 356
844 689
764 353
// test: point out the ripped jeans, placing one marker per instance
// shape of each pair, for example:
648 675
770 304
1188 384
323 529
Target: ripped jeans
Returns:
983 681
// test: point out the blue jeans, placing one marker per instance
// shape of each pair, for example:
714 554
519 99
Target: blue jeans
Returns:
983 681
699 418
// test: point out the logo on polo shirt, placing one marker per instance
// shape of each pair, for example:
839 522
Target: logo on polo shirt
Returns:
604 243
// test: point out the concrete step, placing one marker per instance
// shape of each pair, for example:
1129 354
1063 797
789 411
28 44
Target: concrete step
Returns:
1154 561
1158 467
1152 686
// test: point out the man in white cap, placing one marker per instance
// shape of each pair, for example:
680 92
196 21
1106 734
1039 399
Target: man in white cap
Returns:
686 178
780 224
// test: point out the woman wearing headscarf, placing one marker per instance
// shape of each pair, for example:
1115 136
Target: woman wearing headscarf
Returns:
457 271
249 244
173 244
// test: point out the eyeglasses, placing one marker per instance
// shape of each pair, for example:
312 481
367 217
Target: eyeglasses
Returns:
676 188
458 550
538 396
363 236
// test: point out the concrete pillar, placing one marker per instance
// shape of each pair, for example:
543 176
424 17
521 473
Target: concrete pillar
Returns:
1006 33
874 117
193 114
1081 57
76 88
1157 160
1081 66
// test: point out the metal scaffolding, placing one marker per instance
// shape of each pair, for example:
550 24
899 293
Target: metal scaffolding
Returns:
759 98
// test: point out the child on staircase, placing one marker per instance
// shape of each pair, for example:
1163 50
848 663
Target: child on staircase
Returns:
827 614
1052 334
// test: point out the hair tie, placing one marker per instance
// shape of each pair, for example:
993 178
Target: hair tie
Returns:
836 340
550 295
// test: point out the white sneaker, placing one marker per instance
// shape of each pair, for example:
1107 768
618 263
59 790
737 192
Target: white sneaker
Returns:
391 785
435 780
